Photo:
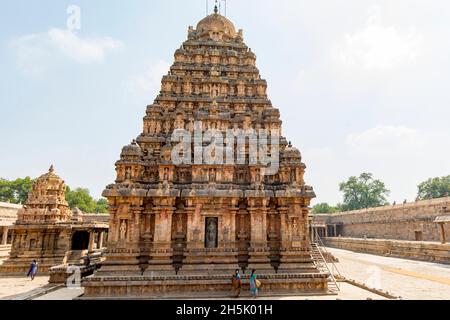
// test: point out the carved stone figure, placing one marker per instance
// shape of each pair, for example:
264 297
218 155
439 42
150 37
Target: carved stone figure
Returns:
123 230
211 233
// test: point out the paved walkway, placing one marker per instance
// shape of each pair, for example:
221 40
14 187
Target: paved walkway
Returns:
10 286
348 292
409 279
400 277
62 294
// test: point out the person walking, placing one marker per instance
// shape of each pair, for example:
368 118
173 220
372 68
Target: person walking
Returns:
236 283
254 284
33 270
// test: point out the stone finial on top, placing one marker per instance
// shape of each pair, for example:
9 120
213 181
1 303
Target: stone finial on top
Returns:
216 9
52 169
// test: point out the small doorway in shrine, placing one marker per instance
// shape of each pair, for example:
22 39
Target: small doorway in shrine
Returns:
80 240
418 235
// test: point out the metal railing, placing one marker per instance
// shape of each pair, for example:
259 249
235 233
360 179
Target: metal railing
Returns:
334 269
329 267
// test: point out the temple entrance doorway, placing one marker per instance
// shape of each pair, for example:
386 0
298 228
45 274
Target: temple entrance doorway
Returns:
80 240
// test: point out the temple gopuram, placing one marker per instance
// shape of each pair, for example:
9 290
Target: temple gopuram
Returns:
49 232
182 228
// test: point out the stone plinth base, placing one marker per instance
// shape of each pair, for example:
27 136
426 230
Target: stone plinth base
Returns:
209 261
60 274
4 252
21 265
108 287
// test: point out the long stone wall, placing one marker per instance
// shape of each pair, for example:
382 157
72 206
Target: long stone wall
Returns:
8 213
415 250
410 221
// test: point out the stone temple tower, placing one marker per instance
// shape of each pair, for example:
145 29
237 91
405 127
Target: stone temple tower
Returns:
47 231
193 223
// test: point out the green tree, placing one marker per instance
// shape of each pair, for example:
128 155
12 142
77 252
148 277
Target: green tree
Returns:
15 191
324 208
363 192
80 198
102 206
434 188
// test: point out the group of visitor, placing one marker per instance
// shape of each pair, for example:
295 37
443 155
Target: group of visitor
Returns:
236 283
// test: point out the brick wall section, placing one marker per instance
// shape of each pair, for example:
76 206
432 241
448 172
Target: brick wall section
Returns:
394 222
415 250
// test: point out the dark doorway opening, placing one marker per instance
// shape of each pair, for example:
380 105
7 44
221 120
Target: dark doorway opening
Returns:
418 235
80 240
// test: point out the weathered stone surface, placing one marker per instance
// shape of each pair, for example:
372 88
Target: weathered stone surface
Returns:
47 231
189 219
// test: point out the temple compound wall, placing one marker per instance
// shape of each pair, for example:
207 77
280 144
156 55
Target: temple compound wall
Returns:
410 221
414 250
417 230
8 215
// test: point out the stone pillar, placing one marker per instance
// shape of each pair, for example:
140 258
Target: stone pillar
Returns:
100 240
259 251
161 253
91 241
135 228
295 256
195 227
5 236
443 240
335 230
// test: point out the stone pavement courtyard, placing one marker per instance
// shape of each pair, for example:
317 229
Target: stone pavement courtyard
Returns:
17 285
400 277
409 279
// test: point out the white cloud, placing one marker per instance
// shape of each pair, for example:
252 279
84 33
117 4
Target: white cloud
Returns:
36 52
377 47
386 140
82 50
148 84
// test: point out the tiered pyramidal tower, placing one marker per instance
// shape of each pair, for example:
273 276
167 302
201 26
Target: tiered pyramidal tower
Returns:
180 220
47 231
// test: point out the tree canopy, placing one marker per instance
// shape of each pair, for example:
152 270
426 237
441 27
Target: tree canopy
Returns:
363 192
81 199
325 208
16 191
434 188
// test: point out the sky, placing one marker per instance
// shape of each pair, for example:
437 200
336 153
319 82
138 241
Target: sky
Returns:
362 85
